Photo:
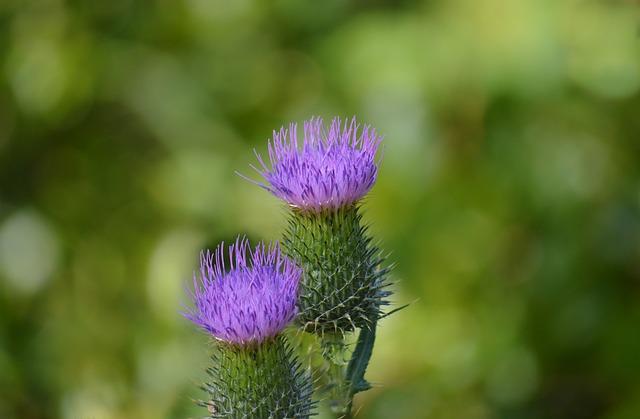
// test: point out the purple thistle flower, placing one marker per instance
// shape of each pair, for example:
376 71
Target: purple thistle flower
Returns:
334 168
251 301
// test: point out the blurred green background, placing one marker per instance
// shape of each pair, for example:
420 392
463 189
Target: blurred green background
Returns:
509 193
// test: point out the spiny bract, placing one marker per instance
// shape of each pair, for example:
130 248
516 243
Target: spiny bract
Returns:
258 382
343 285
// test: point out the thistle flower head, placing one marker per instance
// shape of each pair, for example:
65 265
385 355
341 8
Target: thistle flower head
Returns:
252 300
332 168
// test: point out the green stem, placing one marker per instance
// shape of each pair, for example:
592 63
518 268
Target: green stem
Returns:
344 384
334 354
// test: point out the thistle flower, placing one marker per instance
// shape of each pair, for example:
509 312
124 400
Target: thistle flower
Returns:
323 180
255 373
251 301
334 168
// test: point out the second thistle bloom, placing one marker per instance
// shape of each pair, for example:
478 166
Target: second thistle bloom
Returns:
251 300
330 168
245 303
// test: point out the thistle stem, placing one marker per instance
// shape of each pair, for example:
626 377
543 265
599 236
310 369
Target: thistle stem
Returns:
334 352
343 383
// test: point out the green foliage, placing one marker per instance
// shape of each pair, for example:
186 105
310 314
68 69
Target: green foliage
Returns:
344 370
360 360
262 382
343 285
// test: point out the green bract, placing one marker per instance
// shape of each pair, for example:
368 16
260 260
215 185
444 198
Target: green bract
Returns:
343 285
259 381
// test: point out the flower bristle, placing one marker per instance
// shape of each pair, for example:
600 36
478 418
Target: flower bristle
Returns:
332 168
252 300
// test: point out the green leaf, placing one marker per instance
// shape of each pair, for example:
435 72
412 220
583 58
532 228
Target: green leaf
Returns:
360 360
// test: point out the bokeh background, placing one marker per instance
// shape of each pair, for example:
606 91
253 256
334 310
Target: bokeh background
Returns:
509 194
